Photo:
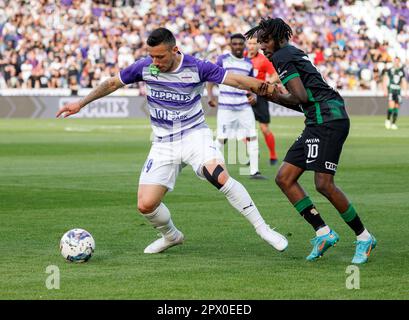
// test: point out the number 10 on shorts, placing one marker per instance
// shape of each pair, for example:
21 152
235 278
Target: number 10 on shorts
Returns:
312 150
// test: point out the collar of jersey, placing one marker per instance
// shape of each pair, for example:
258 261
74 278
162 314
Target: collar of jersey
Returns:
234 57
180 64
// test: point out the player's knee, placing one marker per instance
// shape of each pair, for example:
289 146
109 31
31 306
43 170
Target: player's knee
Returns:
282 181
324 186
146 206
217 178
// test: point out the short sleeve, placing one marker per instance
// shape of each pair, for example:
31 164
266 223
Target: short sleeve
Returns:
210 72
219 61
133 73
285 68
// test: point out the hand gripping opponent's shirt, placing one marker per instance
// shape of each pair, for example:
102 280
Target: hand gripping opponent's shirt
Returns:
174 98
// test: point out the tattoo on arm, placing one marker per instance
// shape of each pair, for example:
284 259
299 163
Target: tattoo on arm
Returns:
105 88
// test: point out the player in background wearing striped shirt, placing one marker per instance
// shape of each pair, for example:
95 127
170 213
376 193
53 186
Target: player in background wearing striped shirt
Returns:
235 118
175 83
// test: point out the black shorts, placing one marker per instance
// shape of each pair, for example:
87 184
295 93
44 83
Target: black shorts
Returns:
396 97
319 147
260 109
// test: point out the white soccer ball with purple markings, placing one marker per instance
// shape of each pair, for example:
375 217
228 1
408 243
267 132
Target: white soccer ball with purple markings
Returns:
77 245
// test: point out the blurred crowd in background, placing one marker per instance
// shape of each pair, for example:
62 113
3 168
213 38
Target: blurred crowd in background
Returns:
79 43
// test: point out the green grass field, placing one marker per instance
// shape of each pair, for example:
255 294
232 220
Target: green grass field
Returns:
60 174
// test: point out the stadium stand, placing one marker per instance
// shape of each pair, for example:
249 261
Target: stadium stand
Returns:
77 44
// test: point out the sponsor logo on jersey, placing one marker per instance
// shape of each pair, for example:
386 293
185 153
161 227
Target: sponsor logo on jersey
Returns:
314 140
281 74
330 166
170 96
154 71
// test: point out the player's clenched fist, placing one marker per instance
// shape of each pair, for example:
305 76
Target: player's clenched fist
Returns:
212 103
268 90
69 109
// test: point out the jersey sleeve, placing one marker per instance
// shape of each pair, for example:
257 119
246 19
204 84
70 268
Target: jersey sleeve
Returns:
210 72
285 68
133 73
219 61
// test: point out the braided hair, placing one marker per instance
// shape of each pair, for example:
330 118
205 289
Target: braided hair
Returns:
274 28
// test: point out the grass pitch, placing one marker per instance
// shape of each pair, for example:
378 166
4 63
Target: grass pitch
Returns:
60 174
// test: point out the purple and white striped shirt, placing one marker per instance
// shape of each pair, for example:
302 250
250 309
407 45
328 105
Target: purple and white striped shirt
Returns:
174 98
231 98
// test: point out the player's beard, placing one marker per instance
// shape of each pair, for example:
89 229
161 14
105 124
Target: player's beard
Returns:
239 54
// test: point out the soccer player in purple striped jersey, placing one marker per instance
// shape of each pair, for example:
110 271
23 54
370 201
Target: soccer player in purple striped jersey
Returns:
175 83
235 117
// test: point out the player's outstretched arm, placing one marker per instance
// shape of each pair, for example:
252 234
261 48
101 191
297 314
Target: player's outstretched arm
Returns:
292 99
246 83
105 88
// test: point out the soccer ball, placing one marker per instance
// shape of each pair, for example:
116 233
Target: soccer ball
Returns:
77 245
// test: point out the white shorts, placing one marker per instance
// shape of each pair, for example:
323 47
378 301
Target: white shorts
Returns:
236 124
166 159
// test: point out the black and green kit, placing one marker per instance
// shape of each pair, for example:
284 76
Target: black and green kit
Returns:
319 146
324 103
395 76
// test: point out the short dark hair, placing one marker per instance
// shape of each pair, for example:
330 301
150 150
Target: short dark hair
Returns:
237 36
161 35
271 28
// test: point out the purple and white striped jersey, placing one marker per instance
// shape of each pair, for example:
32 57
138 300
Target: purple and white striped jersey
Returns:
174 98
232 98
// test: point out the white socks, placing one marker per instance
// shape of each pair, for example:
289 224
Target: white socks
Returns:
240 199
364 236
252 150
322 231
161 220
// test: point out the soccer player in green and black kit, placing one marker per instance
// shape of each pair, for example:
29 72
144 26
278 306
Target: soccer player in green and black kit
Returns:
394 80
319 146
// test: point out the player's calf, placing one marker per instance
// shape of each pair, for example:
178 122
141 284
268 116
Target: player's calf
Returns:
161 220
240 199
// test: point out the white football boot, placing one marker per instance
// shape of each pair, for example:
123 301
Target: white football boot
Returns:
162 243
277 240
394 126
387 124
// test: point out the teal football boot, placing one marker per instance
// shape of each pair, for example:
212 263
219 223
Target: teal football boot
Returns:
363 250
321 244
